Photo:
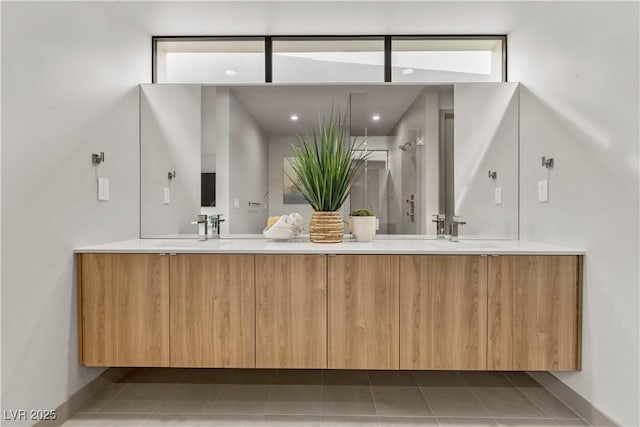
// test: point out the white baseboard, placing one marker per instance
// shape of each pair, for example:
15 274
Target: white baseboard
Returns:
573 400
83 396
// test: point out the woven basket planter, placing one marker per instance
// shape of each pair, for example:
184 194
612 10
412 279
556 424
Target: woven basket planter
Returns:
326 227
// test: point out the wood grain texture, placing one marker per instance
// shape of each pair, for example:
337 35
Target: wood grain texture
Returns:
291 323
443 312
534 313
78 258
125 309
212 311
363 312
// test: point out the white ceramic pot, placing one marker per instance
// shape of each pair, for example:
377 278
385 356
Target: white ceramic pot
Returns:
363 228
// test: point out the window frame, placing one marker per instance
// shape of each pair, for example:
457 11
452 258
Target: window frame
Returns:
268 47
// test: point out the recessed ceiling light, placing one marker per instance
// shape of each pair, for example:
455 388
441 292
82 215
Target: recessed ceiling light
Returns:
294 118
375 117
407 71
230 72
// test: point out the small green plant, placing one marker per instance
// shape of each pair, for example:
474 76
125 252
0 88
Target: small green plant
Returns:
324 164
362 212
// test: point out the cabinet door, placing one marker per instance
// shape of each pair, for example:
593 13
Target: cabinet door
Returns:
363 312
124 305
291 324
443 312
534 313
212 311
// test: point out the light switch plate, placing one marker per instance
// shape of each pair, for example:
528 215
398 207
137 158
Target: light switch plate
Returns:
103 189
497 196
543 190
166 195
236 203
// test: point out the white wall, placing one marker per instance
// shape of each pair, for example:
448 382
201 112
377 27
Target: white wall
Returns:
415 171
486 138
578 64
170 140
279 148
248 170
69 88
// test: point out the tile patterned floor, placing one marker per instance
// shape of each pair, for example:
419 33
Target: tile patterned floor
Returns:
306 398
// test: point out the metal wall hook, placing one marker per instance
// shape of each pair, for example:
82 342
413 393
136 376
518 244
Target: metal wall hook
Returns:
96 159
171 175
547 163
493 174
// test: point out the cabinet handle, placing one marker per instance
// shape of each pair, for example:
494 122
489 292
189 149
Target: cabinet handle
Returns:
172 254
161 254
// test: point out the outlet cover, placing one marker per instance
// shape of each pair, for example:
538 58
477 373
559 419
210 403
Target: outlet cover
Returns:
103 189
543 190
497 196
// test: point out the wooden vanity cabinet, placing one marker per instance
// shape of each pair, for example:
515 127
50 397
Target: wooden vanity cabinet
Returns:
212 311
123 302
363 312
291 311
443 312
534 313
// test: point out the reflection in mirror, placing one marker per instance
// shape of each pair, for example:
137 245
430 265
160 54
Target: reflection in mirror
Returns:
430 146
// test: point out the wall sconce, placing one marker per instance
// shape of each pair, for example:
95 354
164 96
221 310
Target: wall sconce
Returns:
96 159
493 175
547 163
171 175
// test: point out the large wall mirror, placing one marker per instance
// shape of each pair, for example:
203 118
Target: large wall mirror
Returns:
225 150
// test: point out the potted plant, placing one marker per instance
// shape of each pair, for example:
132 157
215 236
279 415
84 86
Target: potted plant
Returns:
363 224
324 165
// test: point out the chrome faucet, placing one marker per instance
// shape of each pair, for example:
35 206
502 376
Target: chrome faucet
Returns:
439 220
456 222
202 223
215 221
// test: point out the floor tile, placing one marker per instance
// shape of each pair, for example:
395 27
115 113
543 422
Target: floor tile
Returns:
485 379
147 391
329 421
260 420
345 377
292 420
170 420
406 421
206 376
159 375
299 376
522 379
347 400
466 422
571 423
140 406
391 378
399 401
524 422
295 399
96 403
105 420
231 420
242 399
438 379
195 391
548 403
507 402
253 376
453 402
188 406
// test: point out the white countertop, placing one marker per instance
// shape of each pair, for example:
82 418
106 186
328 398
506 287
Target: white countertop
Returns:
377 246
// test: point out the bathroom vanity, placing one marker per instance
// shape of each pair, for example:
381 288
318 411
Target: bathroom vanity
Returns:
387 304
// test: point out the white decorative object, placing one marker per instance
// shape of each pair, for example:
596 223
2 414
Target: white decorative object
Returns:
285 228
363 228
